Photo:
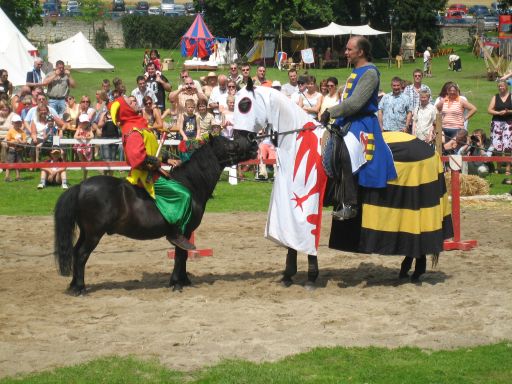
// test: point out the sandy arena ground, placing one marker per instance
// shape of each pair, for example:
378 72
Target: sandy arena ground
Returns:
235 309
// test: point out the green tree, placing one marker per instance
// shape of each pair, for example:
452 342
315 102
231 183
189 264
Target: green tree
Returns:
248 19
92 11
407 16
23 13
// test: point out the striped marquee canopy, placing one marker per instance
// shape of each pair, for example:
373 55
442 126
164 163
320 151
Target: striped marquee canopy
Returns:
198 41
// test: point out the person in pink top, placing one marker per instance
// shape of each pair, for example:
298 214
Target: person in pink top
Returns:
455 110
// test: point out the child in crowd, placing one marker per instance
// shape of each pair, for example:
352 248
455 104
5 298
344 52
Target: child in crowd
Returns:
53 175
205 118
50 131
83 134
16 138
227 117
146 59
188 123
154 57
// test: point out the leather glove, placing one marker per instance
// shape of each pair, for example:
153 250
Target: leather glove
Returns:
325 117
151 163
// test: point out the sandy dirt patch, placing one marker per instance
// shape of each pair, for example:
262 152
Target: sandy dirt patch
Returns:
235 309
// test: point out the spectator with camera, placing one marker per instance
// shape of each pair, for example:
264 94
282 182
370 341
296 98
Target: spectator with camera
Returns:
187 91
59 82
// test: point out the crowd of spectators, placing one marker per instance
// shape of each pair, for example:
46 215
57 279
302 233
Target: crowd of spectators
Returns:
45 107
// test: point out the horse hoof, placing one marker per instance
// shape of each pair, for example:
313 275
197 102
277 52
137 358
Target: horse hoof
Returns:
310 286
177 288
75 291
403 275
286 282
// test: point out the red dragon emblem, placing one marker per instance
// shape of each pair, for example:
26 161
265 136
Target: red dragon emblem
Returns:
308 152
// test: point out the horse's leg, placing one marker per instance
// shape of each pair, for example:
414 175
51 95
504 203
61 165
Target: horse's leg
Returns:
405 267
419 268
291 267
312 271
83 248
179 277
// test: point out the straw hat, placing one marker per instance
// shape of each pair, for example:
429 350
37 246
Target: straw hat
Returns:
210 74
55 151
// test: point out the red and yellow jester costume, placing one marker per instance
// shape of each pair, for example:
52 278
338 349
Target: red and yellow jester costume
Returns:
140 146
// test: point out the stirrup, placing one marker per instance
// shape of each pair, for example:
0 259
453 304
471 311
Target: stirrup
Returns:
346 212
180 241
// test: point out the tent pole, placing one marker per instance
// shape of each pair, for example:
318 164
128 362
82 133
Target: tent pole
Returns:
281 35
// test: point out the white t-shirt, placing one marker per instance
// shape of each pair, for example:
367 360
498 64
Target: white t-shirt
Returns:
426 56
218 96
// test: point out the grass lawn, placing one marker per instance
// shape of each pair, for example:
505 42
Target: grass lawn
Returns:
483 364
22 198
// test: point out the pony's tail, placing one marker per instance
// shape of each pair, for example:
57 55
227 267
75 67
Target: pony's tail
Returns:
65 225
435 260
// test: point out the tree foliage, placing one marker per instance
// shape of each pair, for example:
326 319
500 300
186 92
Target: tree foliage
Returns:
248 19
23 13
92 11
155 31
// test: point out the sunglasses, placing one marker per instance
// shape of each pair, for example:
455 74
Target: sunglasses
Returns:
300 82
231 86
148 103
85 101
331 85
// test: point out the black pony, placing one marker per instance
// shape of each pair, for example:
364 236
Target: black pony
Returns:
106 205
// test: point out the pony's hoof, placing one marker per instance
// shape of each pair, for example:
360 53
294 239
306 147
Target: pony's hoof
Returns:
76 291
177 288
310 286
285 282
403 275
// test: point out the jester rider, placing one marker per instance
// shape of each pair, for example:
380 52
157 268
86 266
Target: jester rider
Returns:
172 199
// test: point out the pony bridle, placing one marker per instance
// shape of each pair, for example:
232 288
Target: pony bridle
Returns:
236 153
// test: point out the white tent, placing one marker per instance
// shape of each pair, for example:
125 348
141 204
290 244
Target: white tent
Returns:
334 29
15 59
7 25
78 53
14 51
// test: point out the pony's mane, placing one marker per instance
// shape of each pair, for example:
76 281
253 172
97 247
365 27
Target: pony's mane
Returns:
201 172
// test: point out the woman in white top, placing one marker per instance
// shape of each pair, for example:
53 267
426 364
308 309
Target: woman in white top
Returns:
311 100
332 98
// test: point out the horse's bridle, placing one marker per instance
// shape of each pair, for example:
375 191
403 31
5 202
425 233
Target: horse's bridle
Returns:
232 156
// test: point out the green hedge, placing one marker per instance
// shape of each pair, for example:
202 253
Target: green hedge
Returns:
154 31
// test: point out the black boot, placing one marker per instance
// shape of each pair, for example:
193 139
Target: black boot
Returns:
180 241
405 267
